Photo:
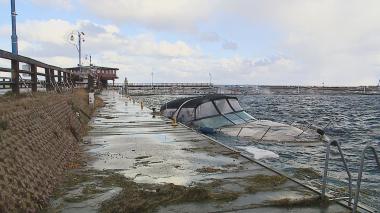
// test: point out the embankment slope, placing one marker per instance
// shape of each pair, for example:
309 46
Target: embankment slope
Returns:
39 138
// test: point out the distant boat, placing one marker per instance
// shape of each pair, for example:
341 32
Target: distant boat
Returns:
223 114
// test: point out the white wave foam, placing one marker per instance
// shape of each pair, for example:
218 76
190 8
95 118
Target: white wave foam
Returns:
259 153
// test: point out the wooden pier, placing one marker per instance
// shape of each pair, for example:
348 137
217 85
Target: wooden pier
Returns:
53 77
166 88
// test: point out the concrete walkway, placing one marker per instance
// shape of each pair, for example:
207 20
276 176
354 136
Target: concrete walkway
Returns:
149 149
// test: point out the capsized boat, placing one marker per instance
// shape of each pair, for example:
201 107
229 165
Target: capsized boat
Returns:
221 113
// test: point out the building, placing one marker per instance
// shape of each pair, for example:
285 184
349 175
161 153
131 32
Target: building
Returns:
99 75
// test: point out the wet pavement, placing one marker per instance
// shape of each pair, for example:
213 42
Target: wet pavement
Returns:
127 138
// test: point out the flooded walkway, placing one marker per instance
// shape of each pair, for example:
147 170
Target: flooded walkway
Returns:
150 150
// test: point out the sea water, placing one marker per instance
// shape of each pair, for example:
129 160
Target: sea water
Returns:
355 122
352 120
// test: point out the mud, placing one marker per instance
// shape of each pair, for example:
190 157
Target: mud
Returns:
306 174
209 170
310 201
134 197
264 182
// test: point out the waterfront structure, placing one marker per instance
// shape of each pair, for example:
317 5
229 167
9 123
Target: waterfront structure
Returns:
98 74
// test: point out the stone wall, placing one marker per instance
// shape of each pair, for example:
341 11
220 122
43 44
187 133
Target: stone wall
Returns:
38 139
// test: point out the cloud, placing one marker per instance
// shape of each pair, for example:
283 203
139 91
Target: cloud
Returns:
230 45
138 55
60 4
209 37
334 41
51 38
5 30
331 41
162 15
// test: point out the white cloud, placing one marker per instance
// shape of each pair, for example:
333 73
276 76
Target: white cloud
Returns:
332 41
5 30
230 45
164 14
137 56
53 31
51 38
59 4
209 36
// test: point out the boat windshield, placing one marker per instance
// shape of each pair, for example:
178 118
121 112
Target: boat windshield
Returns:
235 118
213 122
205 110
209 111
245 116
223 106
235 104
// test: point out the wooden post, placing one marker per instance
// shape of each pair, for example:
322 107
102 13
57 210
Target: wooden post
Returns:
52 77
33 69
48 79
64 79
90 83
72 78
15 77
59 78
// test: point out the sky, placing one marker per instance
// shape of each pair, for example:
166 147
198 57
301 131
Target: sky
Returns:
267 42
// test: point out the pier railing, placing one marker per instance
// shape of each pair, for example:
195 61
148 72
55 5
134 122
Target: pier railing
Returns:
56 78
169 85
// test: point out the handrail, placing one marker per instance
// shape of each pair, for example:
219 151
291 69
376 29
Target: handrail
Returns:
356 199
327 159
17 81
10 56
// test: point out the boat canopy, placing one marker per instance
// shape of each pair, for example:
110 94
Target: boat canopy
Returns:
207 111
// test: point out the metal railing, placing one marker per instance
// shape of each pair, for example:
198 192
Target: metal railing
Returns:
168 84
358 183
327 159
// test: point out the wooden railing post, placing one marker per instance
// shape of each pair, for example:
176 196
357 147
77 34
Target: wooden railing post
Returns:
33 74
47 79
59 78
72 79
52 77
90 83
15 66
64 79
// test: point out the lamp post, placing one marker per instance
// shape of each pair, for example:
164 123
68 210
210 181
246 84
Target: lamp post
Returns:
152 78
79 47
14 35
210 77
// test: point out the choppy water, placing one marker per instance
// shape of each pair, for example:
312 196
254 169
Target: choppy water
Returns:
355 122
